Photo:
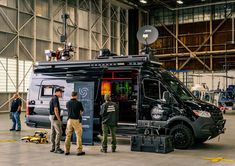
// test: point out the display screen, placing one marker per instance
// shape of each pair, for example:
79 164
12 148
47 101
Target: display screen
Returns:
106 88
122 87
120 90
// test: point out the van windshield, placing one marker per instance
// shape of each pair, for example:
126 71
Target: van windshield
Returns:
176 86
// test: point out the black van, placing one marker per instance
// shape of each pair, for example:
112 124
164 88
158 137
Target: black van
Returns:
143 90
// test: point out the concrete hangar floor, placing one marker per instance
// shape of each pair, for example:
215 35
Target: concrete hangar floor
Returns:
14 152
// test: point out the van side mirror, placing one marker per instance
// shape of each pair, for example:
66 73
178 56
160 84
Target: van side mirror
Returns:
166 97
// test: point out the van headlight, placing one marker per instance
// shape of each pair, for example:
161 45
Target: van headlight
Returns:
203 114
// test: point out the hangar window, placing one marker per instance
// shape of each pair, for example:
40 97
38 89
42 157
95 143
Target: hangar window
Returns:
8 77
3 2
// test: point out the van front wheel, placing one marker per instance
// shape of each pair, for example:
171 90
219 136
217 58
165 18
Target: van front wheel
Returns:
182 136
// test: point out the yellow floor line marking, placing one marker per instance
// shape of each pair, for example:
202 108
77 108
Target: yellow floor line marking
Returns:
8 140
94 147
218 159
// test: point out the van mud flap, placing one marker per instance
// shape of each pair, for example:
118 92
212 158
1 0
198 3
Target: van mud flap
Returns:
220 126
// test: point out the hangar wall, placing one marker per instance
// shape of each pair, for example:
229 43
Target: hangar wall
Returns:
198 37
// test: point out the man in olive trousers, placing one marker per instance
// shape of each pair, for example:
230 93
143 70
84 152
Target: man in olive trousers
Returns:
109 114
74 123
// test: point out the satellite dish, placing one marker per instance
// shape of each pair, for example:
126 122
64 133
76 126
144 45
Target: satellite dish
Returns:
147 34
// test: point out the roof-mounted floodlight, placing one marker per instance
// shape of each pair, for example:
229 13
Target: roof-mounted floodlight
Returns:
143 1
180 2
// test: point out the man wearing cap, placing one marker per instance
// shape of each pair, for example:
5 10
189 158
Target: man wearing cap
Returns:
74 123
56 122
109 114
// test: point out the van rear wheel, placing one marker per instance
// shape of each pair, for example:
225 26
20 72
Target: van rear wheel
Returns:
182 136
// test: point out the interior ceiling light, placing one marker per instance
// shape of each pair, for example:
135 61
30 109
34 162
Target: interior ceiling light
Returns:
143 1
180 2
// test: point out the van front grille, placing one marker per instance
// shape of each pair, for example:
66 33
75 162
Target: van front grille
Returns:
216 115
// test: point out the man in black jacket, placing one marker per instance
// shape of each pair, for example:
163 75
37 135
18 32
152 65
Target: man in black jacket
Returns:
74 123
109 114
15 111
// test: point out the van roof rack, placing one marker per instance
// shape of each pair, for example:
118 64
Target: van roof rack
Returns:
115 61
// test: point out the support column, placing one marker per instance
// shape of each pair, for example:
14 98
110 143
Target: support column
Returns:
211 41
51 23
176 42
127 32
212 80
34 33
232 29
100 22
77 43
139 25
109 24
133 27
90 30
18 46
118 32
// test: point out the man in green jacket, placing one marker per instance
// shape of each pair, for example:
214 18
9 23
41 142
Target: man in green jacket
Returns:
109 114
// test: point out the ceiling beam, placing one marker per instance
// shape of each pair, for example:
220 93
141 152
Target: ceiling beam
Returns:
193 6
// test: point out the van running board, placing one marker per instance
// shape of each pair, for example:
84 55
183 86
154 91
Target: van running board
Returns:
127 124
127 128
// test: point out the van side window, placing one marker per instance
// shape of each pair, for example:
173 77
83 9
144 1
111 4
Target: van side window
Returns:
47 91
151 89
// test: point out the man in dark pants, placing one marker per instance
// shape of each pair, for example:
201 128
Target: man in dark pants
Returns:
56 122
15 111
75 111
109 114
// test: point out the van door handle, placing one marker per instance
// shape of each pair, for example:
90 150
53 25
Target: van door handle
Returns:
145 106
41 102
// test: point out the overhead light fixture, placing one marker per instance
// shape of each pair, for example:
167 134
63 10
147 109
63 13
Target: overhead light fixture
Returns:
143 1
180 2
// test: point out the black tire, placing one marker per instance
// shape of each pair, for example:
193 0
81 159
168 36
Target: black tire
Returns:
183 137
